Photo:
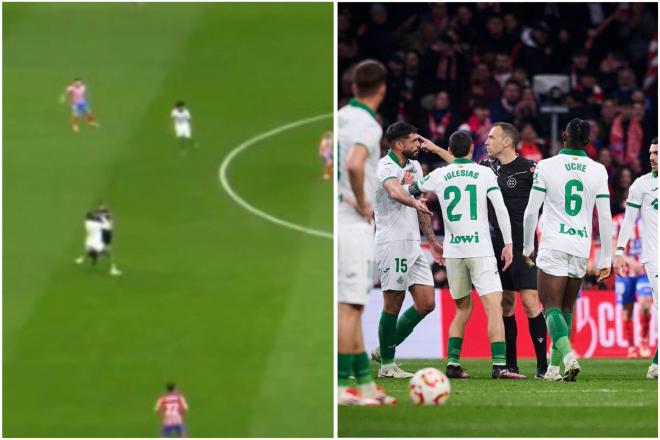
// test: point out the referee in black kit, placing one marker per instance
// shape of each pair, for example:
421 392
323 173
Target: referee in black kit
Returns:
514 177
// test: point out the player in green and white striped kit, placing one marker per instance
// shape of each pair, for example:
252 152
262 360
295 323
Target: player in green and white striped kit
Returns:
463 189
643 200
568 185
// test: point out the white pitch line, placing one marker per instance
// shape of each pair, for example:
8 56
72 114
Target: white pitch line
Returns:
224 181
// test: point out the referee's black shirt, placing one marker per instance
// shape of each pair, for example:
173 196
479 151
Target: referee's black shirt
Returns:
515 182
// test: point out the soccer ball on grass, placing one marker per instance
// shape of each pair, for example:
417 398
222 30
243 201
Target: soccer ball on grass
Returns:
429 387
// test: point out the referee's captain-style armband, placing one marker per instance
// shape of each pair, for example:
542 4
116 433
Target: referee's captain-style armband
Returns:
619 251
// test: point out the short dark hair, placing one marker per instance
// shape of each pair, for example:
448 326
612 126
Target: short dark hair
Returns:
460 143
654 141
399 130
179 104
368 76
577 134
510 131
170 387
480 103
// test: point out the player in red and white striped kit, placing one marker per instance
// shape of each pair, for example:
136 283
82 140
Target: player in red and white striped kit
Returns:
633 287
172 406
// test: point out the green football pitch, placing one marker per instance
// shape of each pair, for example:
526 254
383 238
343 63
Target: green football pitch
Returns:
611 398
234 309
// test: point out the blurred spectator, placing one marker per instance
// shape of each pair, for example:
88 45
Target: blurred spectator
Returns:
607 73
496 40
605 158
527 108
520 76
376 37
390 106
439 16
627 137
595 142
347 46
608 112
530 147
441 120
511 27
579 65
478 125
502 68
503 109
626 84
532 52
464 27
623 178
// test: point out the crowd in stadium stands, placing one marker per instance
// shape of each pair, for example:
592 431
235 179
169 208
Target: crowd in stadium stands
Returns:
466 66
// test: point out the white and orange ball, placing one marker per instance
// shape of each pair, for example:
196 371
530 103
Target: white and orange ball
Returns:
429 387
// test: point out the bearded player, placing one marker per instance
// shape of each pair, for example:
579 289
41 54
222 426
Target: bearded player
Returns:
402 265
643 201
568 186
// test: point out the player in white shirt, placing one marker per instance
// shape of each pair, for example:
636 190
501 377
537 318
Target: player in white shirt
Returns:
463 189
643 201
359 149
98 238
568 186
401 263
182 128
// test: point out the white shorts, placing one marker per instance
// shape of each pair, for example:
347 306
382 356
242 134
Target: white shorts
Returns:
402 264
182 130
652 274
355 254
561 264
462 273
96 246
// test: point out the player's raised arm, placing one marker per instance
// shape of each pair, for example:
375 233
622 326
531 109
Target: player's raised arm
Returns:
531 216
625 232
355 161
429 146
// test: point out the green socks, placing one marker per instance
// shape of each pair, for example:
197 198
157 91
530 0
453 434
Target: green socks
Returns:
406 324
655 358
559 332
362 369
344 368
454 346
498 352
387 337
555 355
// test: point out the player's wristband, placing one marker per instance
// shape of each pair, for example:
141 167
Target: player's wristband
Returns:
619 251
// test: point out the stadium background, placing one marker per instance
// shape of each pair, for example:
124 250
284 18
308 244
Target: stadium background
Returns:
465 66
211 296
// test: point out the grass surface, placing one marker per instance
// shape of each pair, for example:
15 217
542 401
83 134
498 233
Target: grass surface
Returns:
611 398
212 297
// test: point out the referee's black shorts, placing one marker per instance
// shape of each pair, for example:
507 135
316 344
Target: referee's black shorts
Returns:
519 275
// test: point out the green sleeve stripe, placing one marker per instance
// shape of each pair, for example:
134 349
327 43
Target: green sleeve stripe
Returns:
492 188
388 178
538 188
603 196
633 205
